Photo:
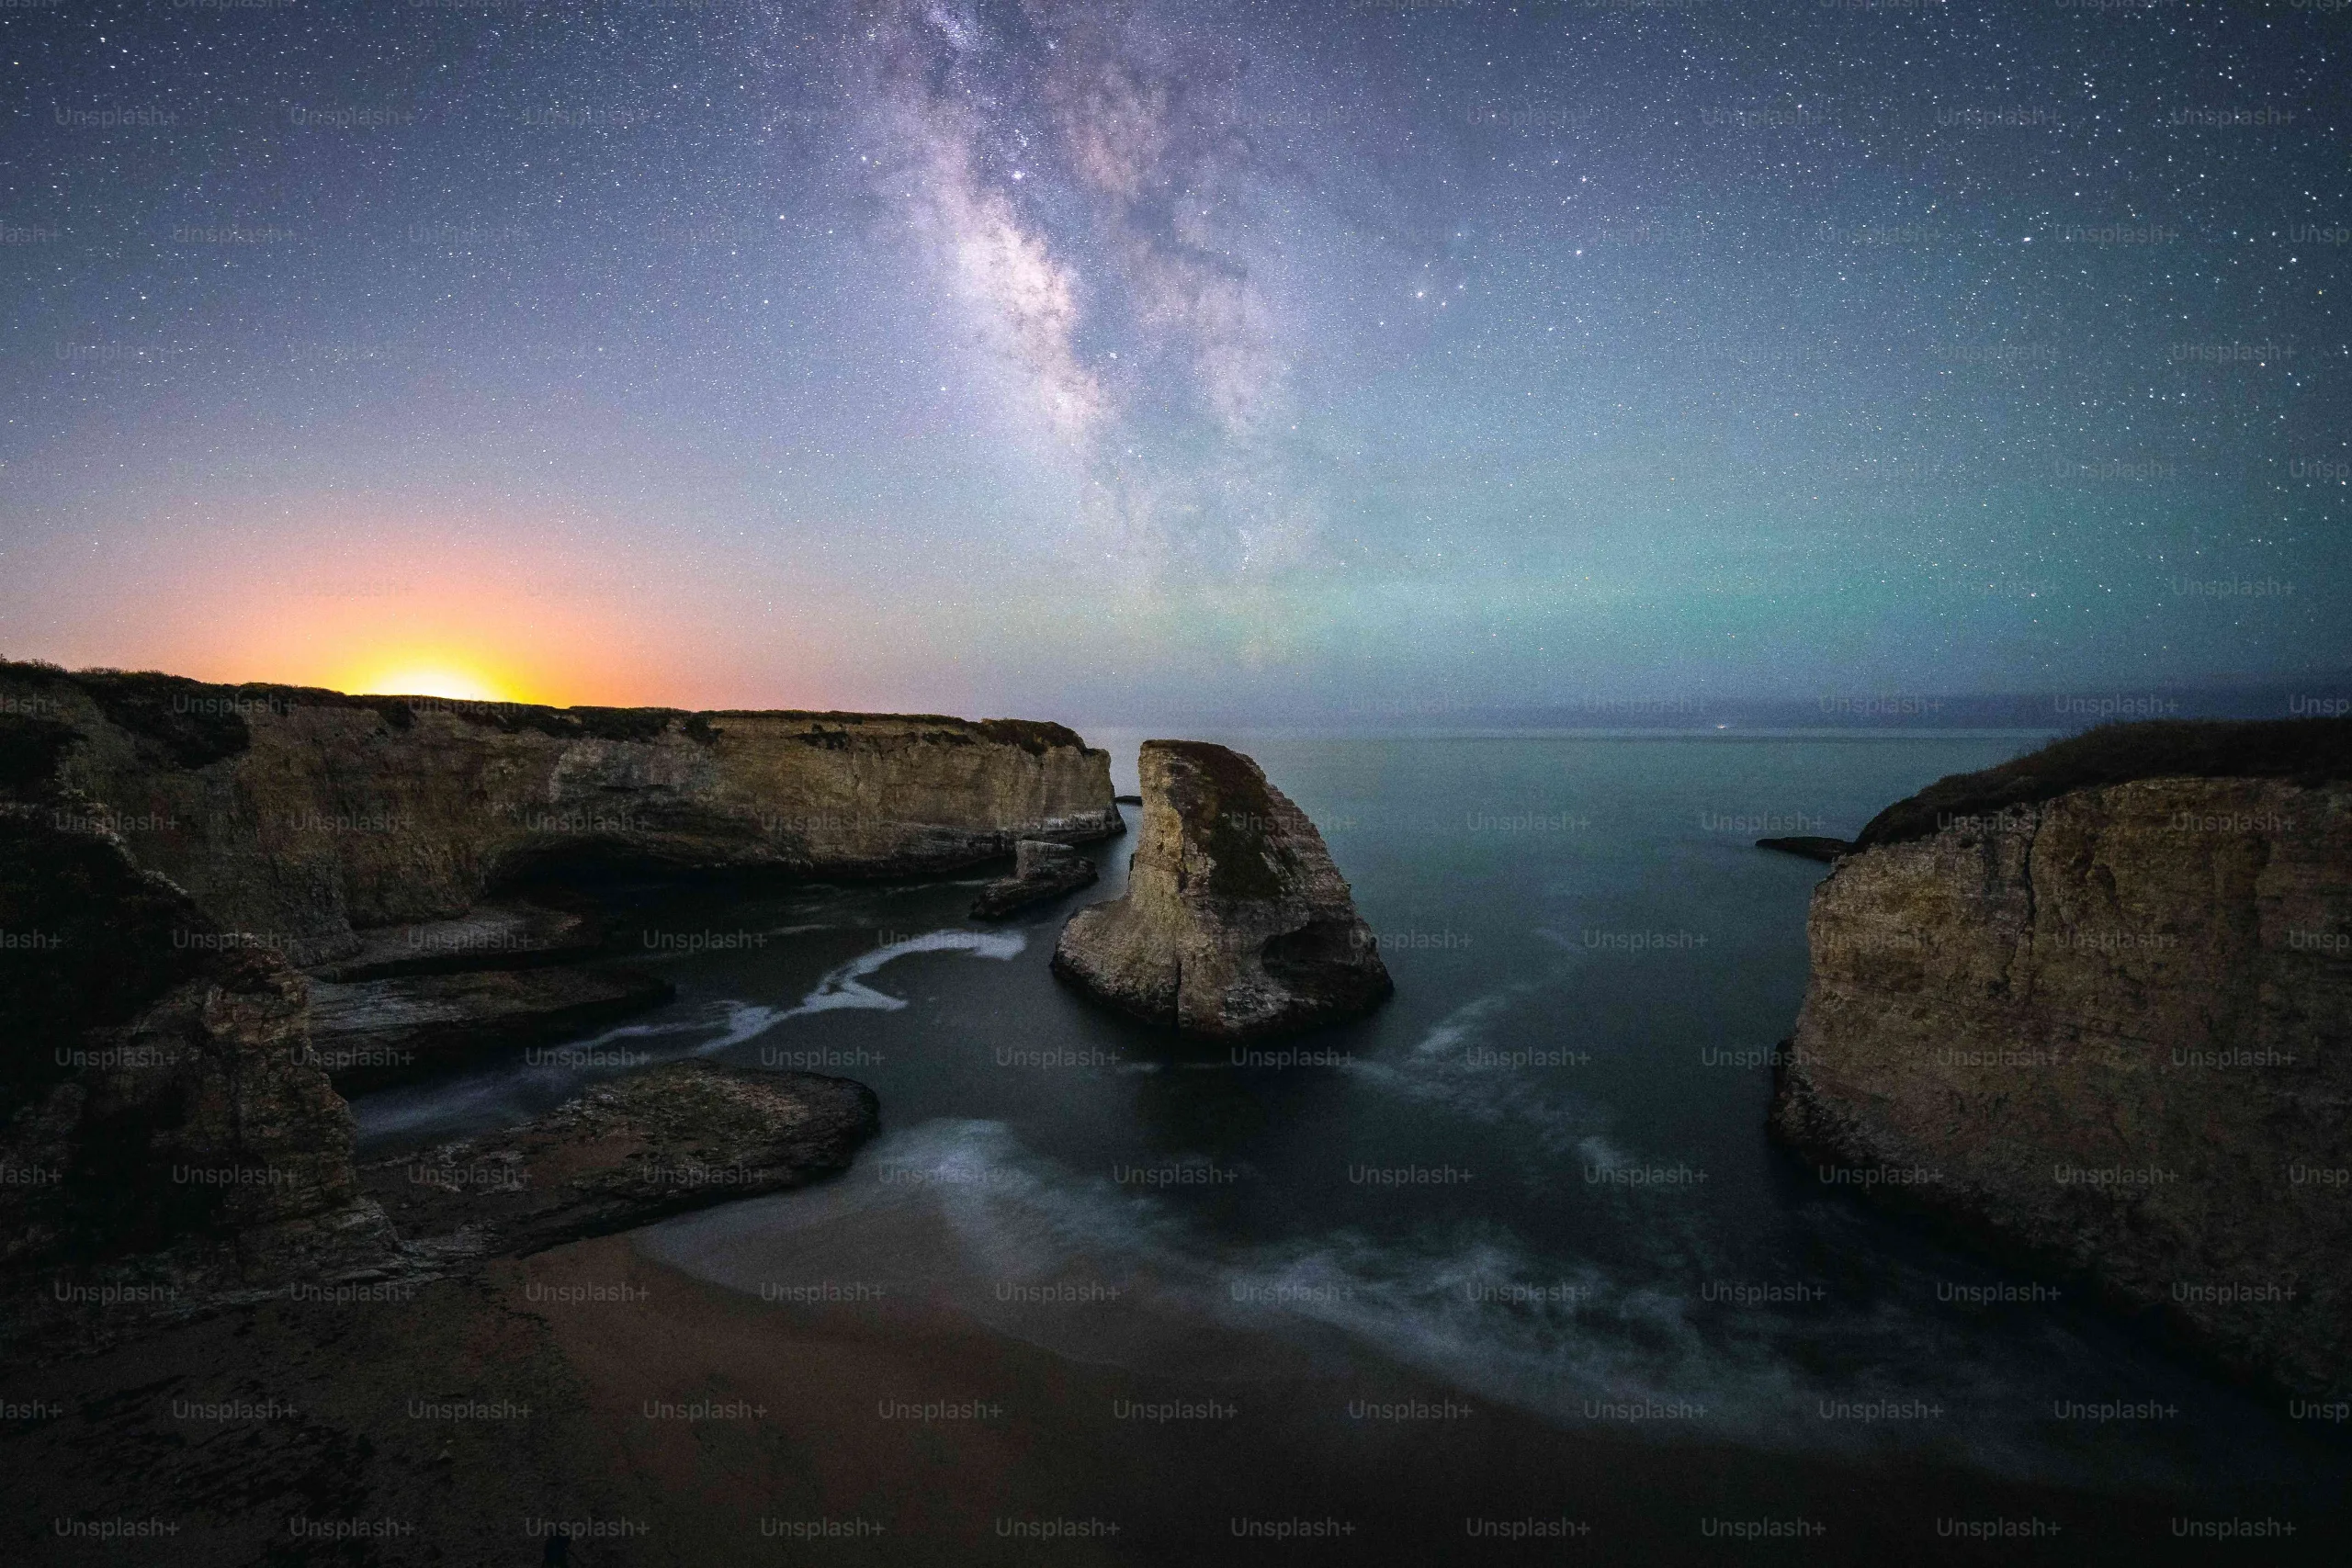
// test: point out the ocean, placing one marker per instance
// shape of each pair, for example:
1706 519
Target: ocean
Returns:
1539 1176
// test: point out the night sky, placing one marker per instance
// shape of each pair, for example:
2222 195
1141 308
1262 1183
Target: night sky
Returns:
1103 361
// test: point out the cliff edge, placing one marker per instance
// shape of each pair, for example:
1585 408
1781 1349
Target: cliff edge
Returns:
302 817
2096 1005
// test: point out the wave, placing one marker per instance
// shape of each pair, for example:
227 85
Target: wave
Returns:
1439 1070
1096 1272
845 987
517 1087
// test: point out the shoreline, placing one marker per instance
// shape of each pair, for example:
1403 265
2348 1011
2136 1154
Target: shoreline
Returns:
689 1423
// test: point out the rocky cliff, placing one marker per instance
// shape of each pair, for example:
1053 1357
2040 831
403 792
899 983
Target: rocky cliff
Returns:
1235 923
301 817
171 1136
2096 1005
171 1143
163 1133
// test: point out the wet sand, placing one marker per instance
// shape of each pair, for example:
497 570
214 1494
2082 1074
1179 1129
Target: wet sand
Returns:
672 1421
1025 1439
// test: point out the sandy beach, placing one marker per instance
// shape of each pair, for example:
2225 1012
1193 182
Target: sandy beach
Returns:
650 1418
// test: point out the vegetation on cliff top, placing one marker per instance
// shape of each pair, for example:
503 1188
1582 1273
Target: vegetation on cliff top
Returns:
2305 750
194 723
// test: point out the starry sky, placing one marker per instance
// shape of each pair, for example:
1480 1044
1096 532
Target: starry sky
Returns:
1105 361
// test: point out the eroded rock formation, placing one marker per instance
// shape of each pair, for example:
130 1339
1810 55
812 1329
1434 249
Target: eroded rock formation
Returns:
1235 923
1041 870
303 817
171 1143
171 1137
164 1139
368 1033
2105 1020
377 842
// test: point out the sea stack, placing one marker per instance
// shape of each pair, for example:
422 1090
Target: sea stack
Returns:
1236 924
2096 1005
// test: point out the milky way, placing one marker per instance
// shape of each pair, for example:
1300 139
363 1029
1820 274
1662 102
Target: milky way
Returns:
1118 359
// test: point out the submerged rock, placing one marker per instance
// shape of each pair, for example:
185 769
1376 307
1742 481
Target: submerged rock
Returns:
2096 1005
1041 870
1809 847
679 1137
1236 923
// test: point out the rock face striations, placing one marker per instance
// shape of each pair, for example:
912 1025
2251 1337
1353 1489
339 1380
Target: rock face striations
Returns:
174 856
2096 1005
380 842
172 1143
305 817
165 1134
369 1033
1235 924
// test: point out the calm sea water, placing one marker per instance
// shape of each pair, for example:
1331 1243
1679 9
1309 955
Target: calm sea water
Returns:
1540 1174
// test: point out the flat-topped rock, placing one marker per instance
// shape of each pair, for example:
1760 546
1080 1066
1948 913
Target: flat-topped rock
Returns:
489 936
1236 923
1041 870
683 1136
372 1032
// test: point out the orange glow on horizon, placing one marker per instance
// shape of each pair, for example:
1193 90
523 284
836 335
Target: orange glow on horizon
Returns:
378 597
414 674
